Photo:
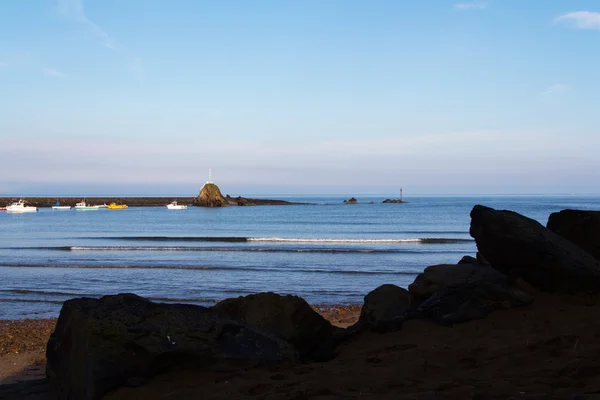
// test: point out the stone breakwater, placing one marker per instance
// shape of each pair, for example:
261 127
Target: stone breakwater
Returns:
134 201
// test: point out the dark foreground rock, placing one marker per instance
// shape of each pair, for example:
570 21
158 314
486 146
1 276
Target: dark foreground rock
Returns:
289 317
384 308
456 304
437 277
519 246
351 200
579 227
463 292
101 344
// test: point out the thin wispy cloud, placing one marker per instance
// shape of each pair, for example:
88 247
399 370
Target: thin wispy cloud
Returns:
73 9
556 91
54 73
581 19
475 5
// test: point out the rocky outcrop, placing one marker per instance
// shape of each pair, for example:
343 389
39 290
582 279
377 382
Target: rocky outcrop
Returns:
579 227
437 277
210 196
351 200
519 246
289 317
462 303
463 292
101 344
394 201
384 308
239 201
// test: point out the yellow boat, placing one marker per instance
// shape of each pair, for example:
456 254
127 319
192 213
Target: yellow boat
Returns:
115 206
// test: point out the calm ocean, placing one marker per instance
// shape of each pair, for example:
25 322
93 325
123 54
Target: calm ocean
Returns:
326 252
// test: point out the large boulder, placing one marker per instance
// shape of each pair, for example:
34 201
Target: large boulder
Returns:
289 317
210 196
579 227
384 308
519 246
437 277
467 302
101 344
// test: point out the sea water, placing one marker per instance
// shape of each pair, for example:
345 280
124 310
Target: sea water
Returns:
327 252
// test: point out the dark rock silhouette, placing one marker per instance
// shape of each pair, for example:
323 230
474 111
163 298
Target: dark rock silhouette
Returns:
210 196
579 227
438 277
468 260
289 317
101 344
519 246
351 200
384 308
467 302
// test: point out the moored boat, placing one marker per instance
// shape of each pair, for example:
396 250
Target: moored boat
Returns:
115 206
57 206
82 206
175 206
20 207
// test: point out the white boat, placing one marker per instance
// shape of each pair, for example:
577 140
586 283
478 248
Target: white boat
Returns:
82 206
20 207
57 206
175 206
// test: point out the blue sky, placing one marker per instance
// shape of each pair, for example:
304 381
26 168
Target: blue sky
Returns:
298 97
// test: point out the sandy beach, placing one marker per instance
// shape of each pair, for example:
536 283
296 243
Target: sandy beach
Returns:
547 350
23 342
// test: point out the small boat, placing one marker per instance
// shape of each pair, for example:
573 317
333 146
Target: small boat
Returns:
102 205
115 206
175 206
20 207
57 206
82 206
2 208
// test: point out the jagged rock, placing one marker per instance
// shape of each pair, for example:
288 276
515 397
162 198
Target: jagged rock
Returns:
384 308
467 302
210 196
519 246
289 317
351 200
101 344
438 277
468 260
394 201
579 227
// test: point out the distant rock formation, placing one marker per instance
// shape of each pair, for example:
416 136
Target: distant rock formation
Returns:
239 201
394 201
351 200
210 196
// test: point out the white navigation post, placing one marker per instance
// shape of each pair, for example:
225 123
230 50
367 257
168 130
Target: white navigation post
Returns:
400 194
209 176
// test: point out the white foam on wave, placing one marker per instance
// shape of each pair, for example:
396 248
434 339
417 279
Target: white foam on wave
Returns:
302 240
